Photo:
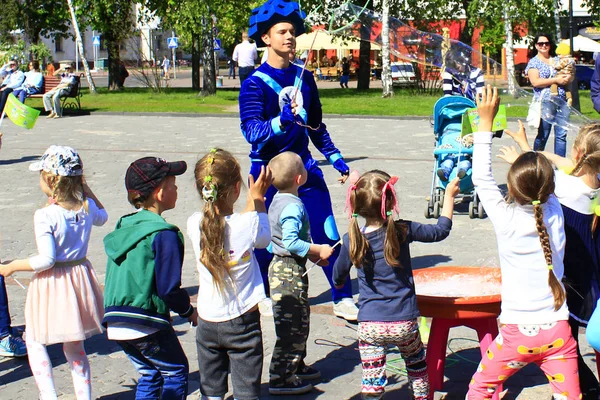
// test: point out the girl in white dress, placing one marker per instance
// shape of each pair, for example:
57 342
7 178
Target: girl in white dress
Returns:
64 300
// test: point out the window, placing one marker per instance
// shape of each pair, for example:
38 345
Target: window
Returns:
58 44
402 68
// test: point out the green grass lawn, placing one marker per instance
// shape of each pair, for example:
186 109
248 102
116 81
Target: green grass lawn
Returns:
335 101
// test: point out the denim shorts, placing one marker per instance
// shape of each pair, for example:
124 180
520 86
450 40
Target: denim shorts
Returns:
235 346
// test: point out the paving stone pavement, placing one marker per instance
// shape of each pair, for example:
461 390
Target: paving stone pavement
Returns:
108 143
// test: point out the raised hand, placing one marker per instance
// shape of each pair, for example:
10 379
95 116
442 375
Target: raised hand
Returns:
520 137
508 154
258 188
487 107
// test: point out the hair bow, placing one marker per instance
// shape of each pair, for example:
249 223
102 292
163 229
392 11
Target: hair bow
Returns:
389 185
352 179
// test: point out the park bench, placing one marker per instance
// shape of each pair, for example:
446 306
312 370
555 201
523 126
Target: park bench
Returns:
330 73
50 82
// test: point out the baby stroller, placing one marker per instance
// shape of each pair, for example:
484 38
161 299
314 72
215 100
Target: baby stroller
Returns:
447 126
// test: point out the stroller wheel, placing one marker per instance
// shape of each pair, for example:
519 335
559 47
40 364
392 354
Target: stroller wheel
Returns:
480 211
436 210
428 211
472 210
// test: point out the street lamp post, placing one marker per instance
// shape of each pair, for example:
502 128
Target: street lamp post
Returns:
574 85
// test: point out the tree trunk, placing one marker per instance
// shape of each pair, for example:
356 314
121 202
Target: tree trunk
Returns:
386 70
557 20
81 50
510 56
466 33
114 62
209 81
196 62
364 65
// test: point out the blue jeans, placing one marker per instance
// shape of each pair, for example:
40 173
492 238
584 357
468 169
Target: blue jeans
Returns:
450 160
557 115
244 72
162 364
5 328
22 94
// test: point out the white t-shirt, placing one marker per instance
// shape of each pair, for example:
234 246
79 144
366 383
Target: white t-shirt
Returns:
244 289
63 235
526 295
245 54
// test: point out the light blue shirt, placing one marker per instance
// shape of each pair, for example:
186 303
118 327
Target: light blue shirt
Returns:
33 79
292 229
14 79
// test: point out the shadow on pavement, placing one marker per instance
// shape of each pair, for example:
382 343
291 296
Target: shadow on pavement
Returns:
20 160
129 394
429 260
325 297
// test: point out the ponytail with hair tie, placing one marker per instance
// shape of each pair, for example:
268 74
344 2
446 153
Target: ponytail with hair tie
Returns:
389 185
557 290
217 173
209 190
348 206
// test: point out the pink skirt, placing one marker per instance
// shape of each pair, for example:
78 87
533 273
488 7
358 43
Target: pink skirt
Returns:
64 304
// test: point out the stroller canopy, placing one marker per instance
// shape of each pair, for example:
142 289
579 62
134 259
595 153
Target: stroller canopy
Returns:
449 110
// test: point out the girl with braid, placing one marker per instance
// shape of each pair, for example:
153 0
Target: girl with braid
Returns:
529 227
380 251
577 189
229 336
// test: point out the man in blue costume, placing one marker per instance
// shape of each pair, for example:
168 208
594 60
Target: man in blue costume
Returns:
280 111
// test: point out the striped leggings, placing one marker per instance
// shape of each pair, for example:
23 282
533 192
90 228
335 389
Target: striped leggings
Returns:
373 339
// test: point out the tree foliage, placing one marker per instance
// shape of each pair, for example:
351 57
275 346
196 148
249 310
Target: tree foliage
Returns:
36 18
593 7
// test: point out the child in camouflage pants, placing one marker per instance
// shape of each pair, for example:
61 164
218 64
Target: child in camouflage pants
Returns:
291 247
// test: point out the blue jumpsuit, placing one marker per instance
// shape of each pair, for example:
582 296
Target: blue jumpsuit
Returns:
262 97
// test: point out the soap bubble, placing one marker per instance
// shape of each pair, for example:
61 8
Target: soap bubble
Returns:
462 62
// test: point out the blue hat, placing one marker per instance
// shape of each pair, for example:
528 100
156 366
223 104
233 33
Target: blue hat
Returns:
273 12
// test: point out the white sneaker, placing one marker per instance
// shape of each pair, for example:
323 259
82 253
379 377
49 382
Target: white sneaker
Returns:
346 309
265 307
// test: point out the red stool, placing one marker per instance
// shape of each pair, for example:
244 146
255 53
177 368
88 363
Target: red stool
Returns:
479 313
487 330
597 362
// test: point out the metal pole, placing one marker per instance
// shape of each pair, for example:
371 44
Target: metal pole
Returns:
174 59
94 50
571 26
574 86
76 56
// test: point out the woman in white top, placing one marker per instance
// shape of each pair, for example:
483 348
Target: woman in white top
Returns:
64 300
531 242
229 335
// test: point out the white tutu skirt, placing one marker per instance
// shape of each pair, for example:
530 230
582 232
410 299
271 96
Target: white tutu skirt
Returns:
64 304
